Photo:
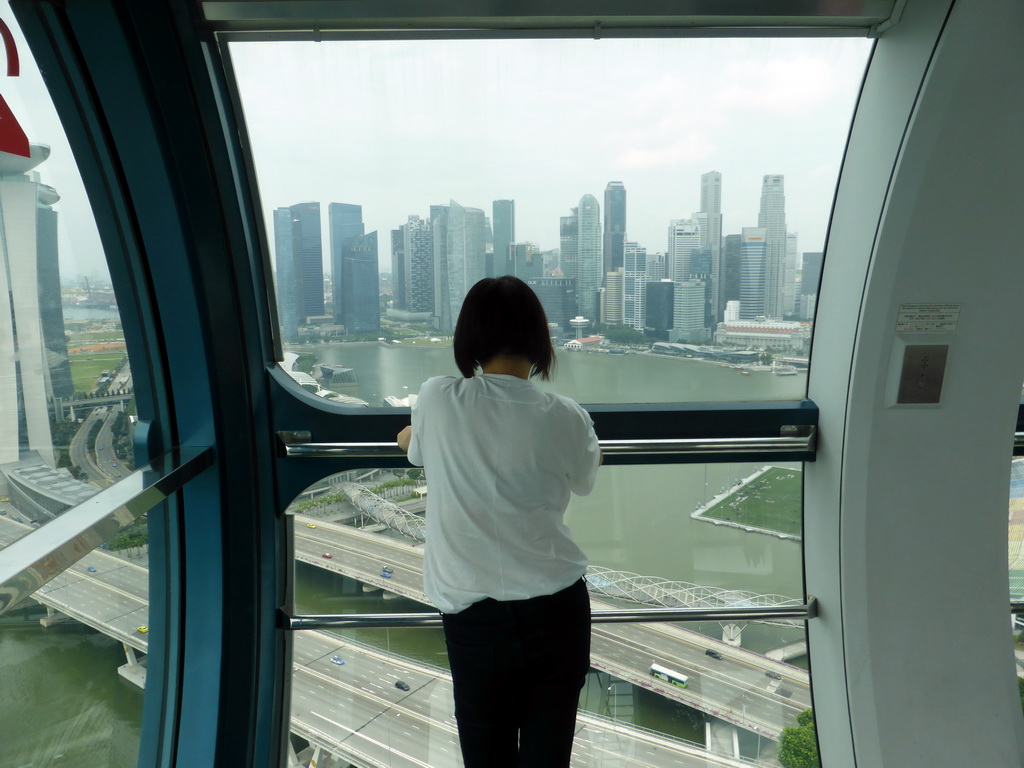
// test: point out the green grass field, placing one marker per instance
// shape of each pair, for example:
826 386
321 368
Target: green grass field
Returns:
772 501
86 368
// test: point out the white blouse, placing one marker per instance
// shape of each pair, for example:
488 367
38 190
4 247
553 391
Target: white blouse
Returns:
501 457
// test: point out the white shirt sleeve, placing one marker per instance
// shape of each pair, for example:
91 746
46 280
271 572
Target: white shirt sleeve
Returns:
584 474
414 453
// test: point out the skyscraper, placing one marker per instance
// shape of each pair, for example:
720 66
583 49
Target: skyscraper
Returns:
753 273
300 266
344 222
442 306
31 322
811 272
527 262
360 295
612 298
772 218
466 253
590 257
634 288
684 237
789 273
418 269
614 225
729 271
688 312
399 296
656 267
504 219
711 206
660 308
568 240
558 297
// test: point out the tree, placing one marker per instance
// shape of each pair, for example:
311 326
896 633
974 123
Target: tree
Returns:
798 747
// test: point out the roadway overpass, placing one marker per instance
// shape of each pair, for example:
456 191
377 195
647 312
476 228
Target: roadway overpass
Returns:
735 688
352 710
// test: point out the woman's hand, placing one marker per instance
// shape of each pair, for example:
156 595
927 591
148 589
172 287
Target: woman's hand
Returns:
404 438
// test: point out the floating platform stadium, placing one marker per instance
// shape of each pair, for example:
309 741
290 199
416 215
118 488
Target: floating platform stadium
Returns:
768 501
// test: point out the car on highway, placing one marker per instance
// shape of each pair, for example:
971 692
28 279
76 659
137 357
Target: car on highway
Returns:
713 654
401 685
773 675
91 569
327 555
310 525
386 571
337 660
784 692
114 464
142 629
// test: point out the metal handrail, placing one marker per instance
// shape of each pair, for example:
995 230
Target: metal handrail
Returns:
46 552
394 620
793 440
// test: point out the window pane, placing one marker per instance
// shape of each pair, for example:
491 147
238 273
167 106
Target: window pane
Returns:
1016 531
656 536
66 414
664 198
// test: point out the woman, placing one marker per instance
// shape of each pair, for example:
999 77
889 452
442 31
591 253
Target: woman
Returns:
501 458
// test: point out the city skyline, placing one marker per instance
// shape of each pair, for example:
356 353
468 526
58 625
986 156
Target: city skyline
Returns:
442 129
765 107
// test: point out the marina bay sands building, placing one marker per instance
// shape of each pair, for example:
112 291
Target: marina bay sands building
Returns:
31 320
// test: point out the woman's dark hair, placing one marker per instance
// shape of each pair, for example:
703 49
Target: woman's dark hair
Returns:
503 316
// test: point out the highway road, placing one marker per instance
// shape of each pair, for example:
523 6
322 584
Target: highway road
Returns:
353 709
107 462
81 457
734 688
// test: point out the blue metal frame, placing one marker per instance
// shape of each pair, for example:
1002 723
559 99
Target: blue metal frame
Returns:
145 98
145 114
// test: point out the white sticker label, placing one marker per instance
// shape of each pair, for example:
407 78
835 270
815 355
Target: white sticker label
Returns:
927 318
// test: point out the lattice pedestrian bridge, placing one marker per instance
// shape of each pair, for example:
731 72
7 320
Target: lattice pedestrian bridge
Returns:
621 585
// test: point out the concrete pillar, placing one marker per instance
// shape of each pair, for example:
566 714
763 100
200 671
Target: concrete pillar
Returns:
315 758
129 653
293 759
52 617
731 634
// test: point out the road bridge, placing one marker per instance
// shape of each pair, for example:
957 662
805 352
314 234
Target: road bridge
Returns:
736 688
353 709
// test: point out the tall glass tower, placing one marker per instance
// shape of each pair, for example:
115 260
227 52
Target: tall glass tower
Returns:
614 225
418 247
711 207
360 294
590 257
753 273
772 218
634 284
300 266
504 223
568 241
31 319
344 221
466 253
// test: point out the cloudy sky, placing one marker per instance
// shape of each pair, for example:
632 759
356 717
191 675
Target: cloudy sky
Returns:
398 126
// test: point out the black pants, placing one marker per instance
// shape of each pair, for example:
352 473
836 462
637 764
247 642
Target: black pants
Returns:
517 670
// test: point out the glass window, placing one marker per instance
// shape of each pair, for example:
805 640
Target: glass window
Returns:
656 536
667 200
72 658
